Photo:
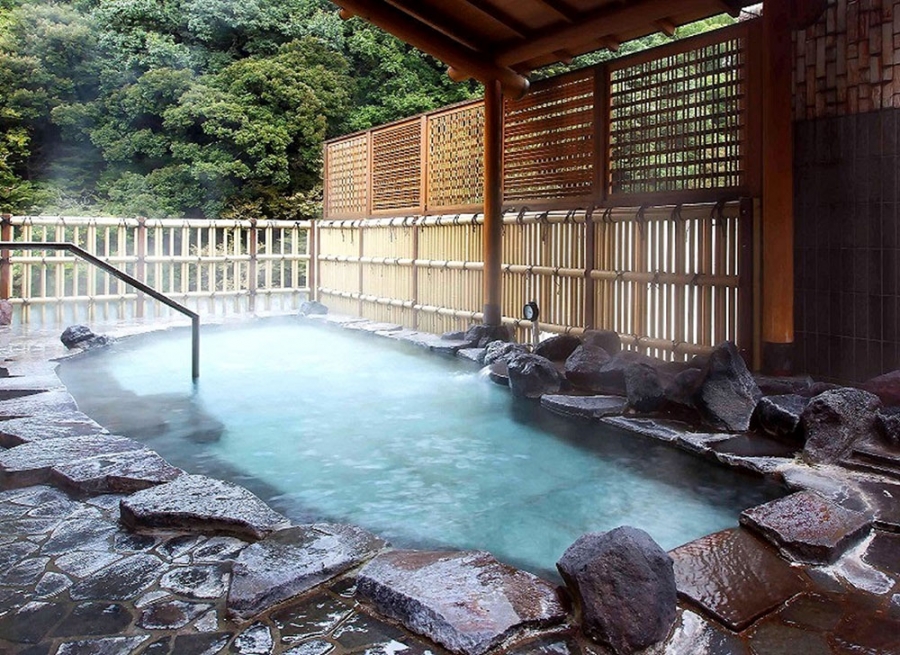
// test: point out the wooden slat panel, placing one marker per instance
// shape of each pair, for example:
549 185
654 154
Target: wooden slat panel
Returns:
397 168
456 158
346 177
677 122
548 140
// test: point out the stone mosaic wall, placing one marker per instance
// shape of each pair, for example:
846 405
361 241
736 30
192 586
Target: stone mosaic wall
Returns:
849 61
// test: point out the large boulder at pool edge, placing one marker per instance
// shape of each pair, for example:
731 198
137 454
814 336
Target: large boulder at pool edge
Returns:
835 420
728 393
531 376
81 336
623 586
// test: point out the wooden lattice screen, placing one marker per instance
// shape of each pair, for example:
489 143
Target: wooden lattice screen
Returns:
676 121
549 140
456 158
347 177
397 164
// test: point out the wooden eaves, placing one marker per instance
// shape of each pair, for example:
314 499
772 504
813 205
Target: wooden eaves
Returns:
504 40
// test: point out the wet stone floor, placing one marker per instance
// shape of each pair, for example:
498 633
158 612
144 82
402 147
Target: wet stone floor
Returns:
74 580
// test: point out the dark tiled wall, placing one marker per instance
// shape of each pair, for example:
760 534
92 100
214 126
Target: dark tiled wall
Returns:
847 245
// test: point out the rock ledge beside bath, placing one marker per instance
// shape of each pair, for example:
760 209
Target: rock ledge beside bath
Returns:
196 503
466 601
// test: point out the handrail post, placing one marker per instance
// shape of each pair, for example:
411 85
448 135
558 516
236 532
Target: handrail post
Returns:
141 269
195 347
254 250
5 265
127 279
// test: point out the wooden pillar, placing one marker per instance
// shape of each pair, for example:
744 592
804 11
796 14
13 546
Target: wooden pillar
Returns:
493 200
778 190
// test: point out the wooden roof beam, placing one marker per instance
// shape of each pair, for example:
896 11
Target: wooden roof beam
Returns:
429 40
732 7
563 12
498 15
666 26
610 19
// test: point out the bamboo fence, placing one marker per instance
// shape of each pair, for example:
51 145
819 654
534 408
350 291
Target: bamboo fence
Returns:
628 190
213 267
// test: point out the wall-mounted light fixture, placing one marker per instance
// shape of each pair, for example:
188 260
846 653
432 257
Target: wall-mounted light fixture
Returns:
531 312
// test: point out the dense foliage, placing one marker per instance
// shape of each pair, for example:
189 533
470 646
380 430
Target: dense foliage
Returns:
192 107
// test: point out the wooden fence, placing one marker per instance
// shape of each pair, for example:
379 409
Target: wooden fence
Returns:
213 267
629 191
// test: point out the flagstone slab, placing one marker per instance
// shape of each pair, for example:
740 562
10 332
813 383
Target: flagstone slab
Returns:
589 407
46 403
16 431
466 601
734 577
807 527
29 384
31 463
124 472
196 503
292 561
373 327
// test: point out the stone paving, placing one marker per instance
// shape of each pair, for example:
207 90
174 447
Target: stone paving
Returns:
102 553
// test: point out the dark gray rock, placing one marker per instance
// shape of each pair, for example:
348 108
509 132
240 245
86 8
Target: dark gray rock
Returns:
584 365
6 312
808 528
531 376
623 585
774 385
466 601
312 308
610 379
498 373
557 348
607 339
502 351
472 354
887 424
780 415
590 407
728 394
81 336
479 336
196 503
681 389
886 387
292 561
835 420
73 335
31 463
119 473
643 388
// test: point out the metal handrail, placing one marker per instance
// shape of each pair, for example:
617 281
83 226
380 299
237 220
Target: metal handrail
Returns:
125 277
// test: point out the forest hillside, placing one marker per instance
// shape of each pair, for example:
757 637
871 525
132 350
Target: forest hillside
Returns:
202 108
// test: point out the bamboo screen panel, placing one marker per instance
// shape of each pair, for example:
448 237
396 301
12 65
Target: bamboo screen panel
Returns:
397 168
667 278
544 261
383 273
456 158
549 140
677 122
449 267
347 177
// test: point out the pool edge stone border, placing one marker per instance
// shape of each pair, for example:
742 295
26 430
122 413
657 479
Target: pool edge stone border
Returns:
515 641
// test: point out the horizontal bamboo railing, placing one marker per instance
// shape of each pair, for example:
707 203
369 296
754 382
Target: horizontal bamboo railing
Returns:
213 266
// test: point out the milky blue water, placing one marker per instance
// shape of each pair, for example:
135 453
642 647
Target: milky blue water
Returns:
331 425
